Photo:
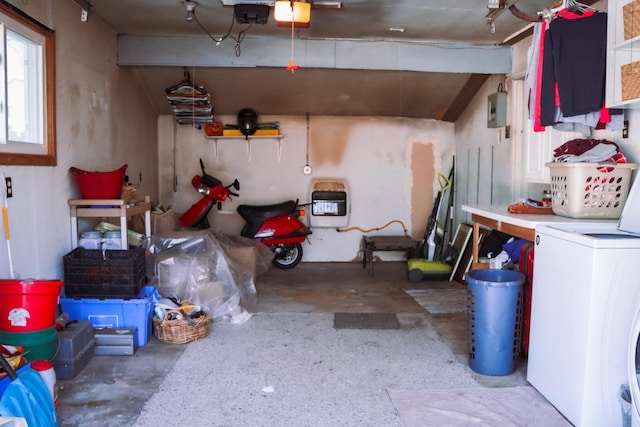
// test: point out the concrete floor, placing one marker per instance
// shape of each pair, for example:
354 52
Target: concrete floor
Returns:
111 390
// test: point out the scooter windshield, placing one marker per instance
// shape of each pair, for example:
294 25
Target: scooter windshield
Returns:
210 181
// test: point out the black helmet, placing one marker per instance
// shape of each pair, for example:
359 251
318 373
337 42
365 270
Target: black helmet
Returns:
247 121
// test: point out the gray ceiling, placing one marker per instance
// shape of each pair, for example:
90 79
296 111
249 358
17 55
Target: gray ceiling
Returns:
353 60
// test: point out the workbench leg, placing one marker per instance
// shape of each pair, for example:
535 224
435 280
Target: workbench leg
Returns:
476 242
147 223
370 256
124 241
74 228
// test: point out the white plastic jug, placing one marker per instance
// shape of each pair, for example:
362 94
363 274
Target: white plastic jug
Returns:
48 374
91 240
111 240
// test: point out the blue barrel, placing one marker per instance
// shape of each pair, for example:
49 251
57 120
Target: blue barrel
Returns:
495 305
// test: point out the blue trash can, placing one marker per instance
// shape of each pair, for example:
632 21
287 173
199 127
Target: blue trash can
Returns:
494 308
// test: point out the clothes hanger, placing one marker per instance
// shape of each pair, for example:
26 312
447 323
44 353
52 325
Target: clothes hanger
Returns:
575 6
186 86
570 5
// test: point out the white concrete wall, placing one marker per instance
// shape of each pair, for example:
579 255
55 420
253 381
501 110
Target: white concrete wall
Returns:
483 155
103 121
389 163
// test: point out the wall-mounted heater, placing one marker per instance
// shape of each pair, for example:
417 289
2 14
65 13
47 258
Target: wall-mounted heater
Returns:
329 203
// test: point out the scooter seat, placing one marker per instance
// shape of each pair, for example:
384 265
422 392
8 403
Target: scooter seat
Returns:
252 213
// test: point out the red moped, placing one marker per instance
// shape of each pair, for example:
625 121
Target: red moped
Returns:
277 226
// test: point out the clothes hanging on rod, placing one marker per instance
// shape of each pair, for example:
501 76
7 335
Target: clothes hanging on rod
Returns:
566 73
190 103
570 5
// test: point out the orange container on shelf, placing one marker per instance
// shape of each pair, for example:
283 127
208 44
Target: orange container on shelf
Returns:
99 185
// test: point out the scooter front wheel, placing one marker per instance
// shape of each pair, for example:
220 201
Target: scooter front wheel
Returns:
287 256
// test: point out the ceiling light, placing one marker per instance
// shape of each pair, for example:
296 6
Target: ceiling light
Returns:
191 7
296 13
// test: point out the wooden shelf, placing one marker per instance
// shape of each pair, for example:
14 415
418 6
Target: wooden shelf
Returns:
110 208
248 139
215 138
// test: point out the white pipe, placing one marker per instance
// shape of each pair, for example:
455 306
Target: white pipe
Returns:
5 217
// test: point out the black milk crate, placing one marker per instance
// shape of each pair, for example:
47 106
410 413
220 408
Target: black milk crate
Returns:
93 273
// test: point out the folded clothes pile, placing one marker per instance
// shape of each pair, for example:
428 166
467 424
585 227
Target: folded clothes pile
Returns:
588 150
530 206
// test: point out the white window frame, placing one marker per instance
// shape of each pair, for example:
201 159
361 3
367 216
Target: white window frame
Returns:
40 149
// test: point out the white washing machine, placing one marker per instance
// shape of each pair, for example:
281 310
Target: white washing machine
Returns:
586 291
634 369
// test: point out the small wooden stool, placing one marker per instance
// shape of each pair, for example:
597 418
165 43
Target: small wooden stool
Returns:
371 244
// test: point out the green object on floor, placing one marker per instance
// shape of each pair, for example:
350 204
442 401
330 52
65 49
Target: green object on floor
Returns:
423 269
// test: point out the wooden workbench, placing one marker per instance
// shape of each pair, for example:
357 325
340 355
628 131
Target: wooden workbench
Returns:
522 226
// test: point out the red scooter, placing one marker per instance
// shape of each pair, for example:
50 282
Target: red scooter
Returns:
277 226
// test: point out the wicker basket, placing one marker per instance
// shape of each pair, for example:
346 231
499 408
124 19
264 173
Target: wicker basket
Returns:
590 190
630 81
631 17
181 331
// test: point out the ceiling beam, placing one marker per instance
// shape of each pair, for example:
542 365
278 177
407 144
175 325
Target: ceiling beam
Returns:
201 51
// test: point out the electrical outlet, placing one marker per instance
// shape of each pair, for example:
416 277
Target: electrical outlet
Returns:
9 186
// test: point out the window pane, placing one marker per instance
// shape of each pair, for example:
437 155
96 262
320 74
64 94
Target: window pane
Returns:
27 90
24 89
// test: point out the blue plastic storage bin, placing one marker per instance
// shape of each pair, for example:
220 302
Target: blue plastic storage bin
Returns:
116 313
494 307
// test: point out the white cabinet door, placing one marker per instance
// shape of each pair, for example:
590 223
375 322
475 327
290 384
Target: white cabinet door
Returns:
532 149
539 147
538 151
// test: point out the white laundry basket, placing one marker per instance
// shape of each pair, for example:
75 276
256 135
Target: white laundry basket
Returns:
590 190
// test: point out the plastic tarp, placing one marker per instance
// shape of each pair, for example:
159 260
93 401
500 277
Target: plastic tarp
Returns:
212 270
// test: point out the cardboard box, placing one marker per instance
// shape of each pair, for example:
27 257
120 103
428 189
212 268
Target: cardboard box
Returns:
163 221
243 259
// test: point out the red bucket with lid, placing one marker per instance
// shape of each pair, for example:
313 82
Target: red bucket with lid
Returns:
28 305
99 185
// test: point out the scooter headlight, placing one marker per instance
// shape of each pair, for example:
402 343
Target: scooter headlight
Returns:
203 189
267 232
